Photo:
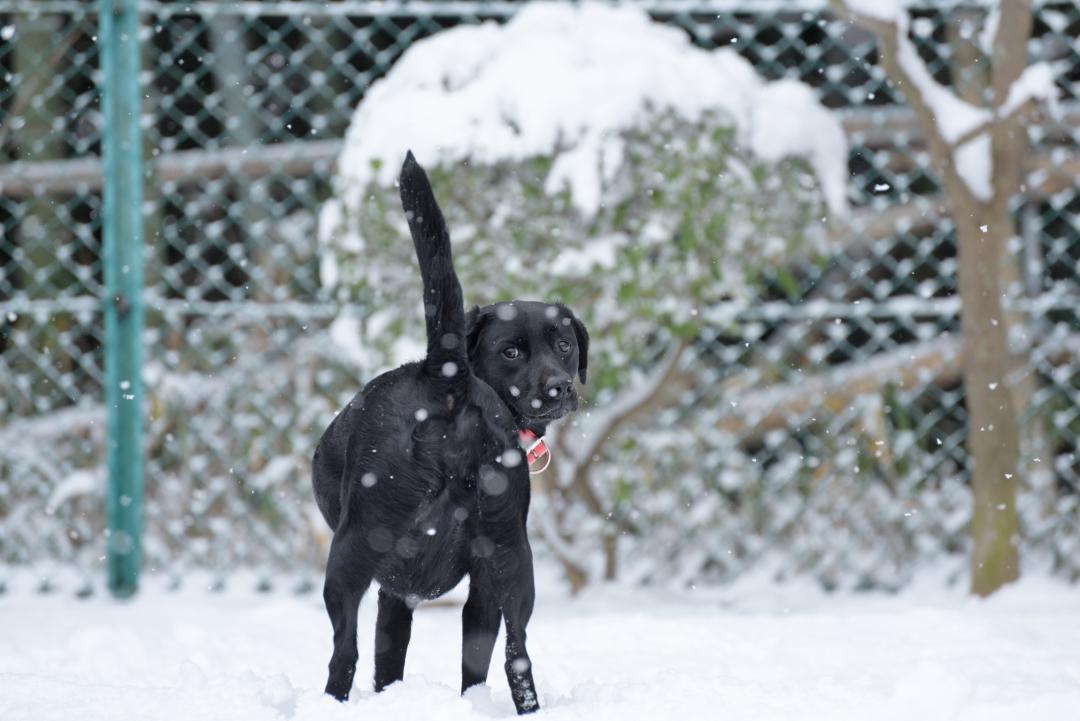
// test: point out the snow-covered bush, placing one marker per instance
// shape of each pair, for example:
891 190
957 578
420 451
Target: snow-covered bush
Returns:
227 476
583 154
586 155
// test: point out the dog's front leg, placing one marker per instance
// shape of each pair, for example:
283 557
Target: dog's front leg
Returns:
346 581
479 627
517 594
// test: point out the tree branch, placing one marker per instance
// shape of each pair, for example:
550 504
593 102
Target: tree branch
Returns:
560 546
571 472
84 174
892 37
761 410
611 418
1017 113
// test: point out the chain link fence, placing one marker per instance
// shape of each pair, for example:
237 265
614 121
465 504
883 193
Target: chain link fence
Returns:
847 360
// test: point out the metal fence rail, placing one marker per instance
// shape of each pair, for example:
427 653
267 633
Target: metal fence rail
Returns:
242 110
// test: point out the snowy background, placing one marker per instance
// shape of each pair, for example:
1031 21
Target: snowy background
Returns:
764 507
810 412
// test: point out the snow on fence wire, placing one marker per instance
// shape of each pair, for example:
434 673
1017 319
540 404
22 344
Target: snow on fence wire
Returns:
834 429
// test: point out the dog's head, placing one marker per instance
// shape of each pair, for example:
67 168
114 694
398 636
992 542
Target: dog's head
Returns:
529 353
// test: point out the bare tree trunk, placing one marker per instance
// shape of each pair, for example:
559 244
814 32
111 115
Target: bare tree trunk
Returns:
995 522
987 270
993 427
995 355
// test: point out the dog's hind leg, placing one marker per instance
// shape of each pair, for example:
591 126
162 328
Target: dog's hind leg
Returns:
479 625
392 632
509 575
346 581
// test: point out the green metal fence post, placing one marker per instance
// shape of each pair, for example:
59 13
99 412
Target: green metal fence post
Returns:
122 150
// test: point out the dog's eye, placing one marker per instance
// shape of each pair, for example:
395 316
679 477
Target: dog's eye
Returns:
564 346
511 353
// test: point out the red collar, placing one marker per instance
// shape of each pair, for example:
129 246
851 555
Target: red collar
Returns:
535 449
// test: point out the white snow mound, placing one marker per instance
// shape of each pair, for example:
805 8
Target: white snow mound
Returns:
570 78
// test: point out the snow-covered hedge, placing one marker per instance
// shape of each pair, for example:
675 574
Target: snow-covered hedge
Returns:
583 154
586 155
228 466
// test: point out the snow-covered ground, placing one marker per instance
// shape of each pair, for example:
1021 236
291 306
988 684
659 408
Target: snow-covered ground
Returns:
749 652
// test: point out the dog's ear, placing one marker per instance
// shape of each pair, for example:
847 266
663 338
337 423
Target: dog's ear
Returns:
475 320
583 346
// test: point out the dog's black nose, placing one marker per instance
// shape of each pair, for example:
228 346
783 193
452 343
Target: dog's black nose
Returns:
558 387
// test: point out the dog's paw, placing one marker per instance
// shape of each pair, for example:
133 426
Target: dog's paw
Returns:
339 688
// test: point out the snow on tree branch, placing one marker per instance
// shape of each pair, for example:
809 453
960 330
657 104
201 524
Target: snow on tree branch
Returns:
954 117
990 30
1036 84
959 132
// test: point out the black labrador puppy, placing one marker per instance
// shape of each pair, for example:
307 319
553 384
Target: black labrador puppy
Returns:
424 478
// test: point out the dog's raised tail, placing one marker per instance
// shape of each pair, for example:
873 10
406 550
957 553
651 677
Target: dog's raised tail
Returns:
444 309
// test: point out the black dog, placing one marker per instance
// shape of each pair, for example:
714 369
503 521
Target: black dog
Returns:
422 477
